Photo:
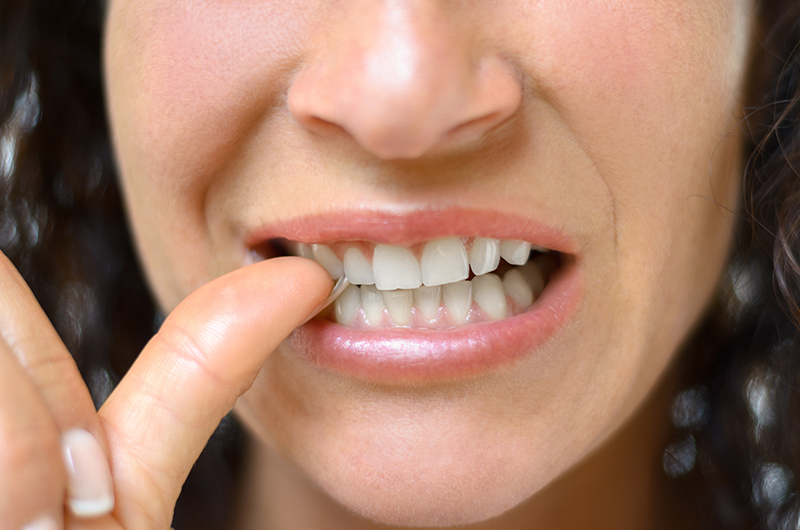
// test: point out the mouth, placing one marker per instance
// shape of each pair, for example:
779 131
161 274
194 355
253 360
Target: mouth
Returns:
439 284
424 306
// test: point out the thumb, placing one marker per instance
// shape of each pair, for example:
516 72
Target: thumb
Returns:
207 353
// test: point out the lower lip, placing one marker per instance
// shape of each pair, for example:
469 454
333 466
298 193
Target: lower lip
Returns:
402 355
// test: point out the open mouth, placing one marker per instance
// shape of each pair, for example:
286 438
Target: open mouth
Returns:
428 303
438 284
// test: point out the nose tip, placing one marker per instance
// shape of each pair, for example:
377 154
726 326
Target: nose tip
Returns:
407 86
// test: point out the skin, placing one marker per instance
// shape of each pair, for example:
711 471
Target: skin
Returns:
609 120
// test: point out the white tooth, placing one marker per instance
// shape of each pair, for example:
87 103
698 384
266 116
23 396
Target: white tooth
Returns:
395 268
458 298
517 288
533 276
303 250
484 256
444 261
399 304
347 305
537 248
514 251
428 300
372 304
325 257
488 293
357 268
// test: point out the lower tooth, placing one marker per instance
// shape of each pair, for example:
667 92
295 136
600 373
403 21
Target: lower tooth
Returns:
488 292
458 299
372 304
517 288
399 304
347 305
533 276
428 300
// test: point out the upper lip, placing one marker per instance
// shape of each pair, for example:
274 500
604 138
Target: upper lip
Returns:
410 227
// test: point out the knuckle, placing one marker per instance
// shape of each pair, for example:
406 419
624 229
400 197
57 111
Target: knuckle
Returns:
53 370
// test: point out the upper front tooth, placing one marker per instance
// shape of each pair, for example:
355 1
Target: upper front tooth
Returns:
303 250
357 268
395 268
514 251
444 261
325 257
484 256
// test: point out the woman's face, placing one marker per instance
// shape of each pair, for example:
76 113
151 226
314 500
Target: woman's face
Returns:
604 131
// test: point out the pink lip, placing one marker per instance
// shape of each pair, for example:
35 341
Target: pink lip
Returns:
411 227
393 356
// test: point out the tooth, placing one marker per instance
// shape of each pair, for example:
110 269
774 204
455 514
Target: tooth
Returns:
534 277
537 248
303 250
444 261
517 288
428 300
488 293
395 268
399 303
347 305
514 251
325 257
484 256
458 298
372 304
357 268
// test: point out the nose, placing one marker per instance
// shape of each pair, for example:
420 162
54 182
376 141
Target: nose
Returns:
402 77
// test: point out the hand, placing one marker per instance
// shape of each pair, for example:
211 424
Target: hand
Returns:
155 424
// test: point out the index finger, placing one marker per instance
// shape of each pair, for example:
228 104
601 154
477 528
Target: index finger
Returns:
207 354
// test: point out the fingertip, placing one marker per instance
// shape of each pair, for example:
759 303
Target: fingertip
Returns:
90 490
296 279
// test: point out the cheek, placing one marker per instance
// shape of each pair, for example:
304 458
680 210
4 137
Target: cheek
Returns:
188 78
651 92
186 81
650 66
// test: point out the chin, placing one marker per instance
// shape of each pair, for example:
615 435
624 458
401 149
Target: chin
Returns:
426 497
428 473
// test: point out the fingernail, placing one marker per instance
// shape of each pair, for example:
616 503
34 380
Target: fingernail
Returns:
43 523
90 491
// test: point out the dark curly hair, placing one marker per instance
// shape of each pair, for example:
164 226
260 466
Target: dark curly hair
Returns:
736 446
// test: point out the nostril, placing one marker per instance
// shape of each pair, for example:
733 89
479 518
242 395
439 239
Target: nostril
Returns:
446 98
322 126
